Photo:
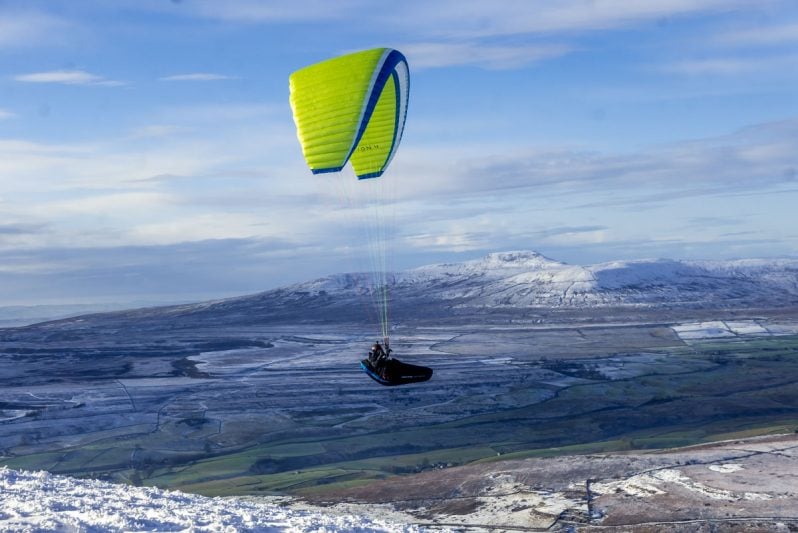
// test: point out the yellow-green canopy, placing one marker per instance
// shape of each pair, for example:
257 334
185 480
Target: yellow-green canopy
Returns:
351 107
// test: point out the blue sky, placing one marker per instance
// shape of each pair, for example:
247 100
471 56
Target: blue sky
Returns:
147 149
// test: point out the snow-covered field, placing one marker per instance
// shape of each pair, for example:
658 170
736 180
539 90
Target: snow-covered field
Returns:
741 328
40 501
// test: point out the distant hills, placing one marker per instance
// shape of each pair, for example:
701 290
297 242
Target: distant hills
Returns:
20 315
508 283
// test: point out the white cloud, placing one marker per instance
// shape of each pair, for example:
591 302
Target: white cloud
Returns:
510 34
113 204
221 113
250 11
450 239
727 66
730 66
479 19
776 34
465 18
430 55
67 77
197 76
754 158
18 147
4 114
203 177
160 183
29 29
200 227
157 130
27 166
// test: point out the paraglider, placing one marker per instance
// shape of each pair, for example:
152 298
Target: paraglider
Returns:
385 370
352 109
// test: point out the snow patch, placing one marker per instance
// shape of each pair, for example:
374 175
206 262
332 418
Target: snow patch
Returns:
783 329
641 485
703 330
677 478
726 468
718 329
747 327
7 415
653 484
231 361
497 361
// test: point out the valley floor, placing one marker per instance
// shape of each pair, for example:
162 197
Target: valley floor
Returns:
269 409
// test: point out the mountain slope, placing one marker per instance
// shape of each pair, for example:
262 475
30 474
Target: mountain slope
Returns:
40 501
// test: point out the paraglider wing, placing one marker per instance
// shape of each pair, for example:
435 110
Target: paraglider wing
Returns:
351 107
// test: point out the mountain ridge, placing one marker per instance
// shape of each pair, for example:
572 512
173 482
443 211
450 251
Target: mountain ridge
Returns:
515 281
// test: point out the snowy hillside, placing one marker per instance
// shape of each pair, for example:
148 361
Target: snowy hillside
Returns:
39 501
505 282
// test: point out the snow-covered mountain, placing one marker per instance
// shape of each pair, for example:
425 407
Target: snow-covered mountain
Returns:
504 282
528 279
40 501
